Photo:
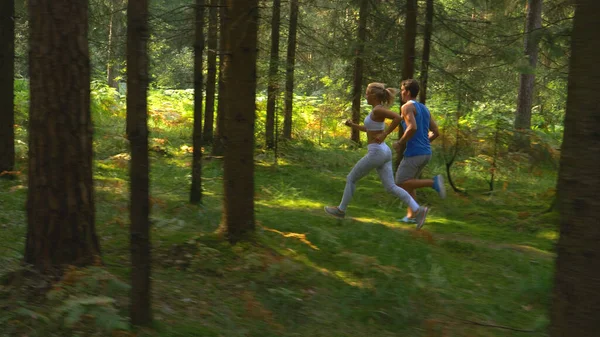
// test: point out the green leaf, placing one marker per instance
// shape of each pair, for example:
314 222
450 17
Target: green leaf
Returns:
74 314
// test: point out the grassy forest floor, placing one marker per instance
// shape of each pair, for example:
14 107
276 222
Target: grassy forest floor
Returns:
481 266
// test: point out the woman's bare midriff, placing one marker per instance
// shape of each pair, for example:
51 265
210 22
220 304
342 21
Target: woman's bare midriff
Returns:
371 136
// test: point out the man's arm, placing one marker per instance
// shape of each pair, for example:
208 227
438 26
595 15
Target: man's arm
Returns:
434 132
408 114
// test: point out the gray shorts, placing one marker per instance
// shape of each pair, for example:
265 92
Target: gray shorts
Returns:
411 168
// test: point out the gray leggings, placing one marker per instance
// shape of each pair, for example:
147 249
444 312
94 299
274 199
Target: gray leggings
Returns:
379 156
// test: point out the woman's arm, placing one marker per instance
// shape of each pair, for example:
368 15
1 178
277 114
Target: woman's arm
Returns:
353 125
384 113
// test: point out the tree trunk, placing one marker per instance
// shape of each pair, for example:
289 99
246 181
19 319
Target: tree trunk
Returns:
289 70
137 133
408 64
527 80
410 35
114 32
211 76
196 188
357 92
240 75
576 295
60 196
273 76
426 50
218 146
7 93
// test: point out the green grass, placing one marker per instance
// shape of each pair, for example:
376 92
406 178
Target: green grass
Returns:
481 258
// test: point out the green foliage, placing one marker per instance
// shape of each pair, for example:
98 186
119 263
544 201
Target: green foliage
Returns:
21 87
21 104
367 275
86 301
85 294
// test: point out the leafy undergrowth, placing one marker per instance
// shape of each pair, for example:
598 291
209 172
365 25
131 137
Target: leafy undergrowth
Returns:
482 265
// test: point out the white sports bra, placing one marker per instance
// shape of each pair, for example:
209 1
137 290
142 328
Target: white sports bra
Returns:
372 125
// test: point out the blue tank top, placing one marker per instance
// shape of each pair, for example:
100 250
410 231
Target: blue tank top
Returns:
419 144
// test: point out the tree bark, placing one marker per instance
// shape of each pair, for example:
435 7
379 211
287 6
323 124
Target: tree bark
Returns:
218 147
408 64
527 79
410 36
60 197
426 50
273 87
211 76
289 70
137 133
7 92
196 188
359 67
576 294
114 32
240 76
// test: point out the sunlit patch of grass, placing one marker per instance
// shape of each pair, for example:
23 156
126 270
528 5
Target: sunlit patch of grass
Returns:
298 236
547 234
353 281
293 203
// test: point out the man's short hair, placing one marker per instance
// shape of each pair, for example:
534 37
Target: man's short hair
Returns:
411 85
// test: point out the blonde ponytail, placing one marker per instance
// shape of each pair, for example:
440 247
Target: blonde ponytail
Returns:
385 95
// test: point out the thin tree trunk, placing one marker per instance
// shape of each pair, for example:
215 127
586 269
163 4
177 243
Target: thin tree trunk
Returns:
114 33
110 77
576 294
493 165
456 148
273 76
359 67
527 80
211 76
196 188
289 71
410 36
218 146
7 94
137 132
240 75
60 196
426 50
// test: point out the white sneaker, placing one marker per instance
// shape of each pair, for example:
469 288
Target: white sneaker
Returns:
421 215
335 211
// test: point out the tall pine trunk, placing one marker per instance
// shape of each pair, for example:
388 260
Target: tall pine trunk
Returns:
527 80
218 146
576 295
114 32
408 64
289 70
410 36
211 76
357 92
60 197
7 94
240 76
196 188
273 87
426 50
137 133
